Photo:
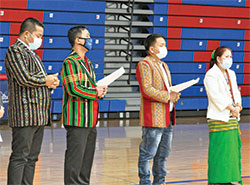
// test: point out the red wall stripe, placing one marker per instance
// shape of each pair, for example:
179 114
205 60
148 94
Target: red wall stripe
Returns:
40 53
213 44
197 10
174 44
246 57
246 68
15 28
246 79
247 34
175 1
20 15
18 4
202 56
207 22
247 3
12 39
206 56
247 46
174 33
244 90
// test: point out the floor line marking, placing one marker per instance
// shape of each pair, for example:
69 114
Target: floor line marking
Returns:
197 180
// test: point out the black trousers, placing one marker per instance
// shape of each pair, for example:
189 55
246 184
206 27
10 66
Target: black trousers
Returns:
26 146
79 155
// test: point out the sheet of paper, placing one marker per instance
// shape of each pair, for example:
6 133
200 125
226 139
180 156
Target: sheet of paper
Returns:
185 85
111 78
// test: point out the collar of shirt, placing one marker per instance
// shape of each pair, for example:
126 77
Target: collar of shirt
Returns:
166 83
165 75
85 60
24 43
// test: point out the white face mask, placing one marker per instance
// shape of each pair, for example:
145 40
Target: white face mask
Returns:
227 63
36 44
163 52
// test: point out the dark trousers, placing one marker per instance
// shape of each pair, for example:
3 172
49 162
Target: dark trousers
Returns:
79 155
26 146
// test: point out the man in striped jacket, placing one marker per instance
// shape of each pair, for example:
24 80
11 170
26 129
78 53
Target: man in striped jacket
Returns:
80 108
29 101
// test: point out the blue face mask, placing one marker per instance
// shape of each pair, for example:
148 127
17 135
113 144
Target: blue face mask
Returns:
88 43
227 63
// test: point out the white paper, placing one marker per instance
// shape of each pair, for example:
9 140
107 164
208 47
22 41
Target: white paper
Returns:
185 85
111 78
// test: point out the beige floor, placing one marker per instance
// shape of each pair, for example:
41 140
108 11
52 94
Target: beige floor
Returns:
117 152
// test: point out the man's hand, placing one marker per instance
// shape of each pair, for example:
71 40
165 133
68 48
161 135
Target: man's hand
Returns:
1 111
55 84
101 91
52 81
174 96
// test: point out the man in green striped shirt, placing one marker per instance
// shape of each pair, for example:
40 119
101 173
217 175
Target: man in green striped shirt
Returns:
80 108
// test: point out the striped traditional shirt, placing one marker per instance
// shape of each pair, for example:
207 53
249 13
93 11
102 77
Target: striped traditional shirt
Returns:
28 95
80 102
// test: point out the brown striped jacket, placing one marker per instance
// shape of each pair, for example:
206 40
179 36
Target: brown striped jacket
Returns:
29 97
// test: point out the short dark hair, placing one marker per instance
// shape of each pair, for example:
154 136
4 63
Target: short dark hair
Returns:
75 32
218 53
151 39
30 24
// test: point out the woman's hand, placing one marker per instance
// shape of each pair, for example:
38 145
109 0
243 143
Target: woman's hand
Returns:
234 110
238 106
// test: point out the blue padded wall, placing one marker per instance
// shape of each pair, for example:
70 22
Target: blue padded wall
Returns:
193 29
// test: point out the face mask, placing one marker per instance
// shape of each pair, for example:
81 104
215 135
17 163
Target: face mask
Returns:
88 43
36 44
227 63
163 52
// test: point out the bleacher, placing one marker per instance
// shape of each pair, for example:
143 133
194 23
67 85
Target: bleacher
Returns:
192 30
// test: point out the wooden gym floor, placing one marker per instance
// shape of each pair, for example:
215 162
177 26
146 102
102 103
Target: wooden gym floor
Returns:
117 153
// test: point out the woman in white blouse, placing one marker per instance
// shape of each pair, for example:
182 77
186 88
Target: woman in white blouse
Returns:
223 113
